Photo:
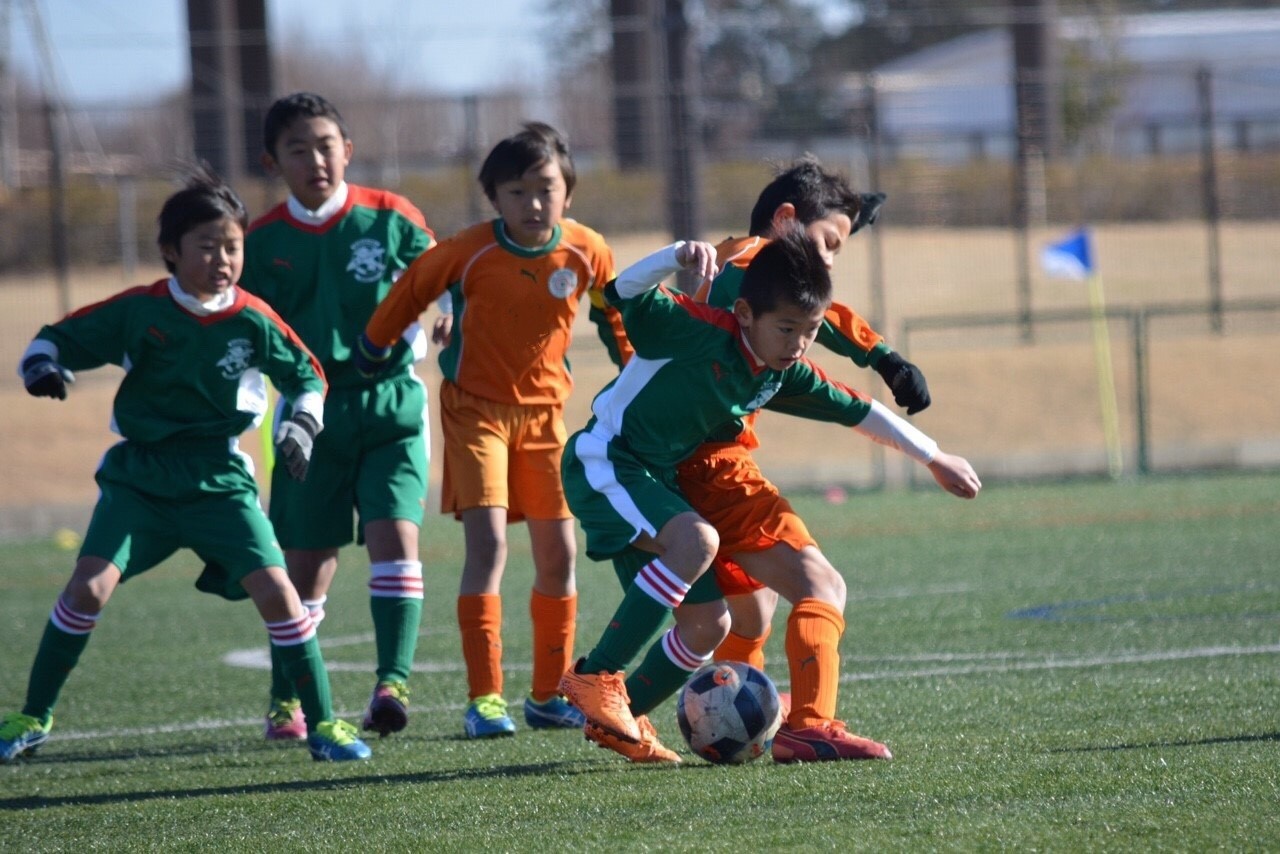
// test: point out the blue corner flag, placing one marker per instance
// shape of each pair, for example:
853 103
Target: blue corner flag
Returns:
1071 258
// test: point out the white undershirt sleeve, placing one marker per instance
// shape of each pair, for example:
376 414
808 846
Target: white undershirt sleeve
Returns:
648 272
883 426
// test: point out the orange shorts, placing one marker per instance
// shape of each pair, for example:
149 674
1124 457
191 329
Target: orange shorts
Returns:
501 455
724 484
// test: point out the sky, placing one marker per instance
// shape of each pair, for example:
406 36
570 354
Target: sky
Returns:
125 50
128 50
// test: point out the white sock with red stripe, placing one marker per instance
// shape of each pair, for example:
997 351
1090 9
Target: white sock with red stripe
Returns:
395 602
292 632
680 655
661 584
316 607
72 622
396 579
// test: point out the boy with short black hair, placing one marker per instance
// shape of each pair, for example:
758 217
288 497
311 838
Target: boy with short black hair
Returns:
324 259
195 348
722 479
696 373
516 283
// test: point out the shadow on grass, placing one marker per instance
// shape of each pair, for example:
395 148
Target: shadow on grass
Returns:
1197 742
462 774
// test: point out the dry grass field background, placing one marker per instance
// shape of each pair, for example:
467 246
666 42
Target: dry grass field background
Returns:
1014 409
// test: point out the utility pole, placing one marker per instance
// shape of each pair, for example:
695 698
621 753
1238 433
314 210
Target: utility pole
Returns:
634 101
683 138
230 82
1035 97
9 177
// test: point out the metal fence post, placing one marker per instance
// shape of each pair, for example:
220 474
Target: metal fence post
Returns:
1138 326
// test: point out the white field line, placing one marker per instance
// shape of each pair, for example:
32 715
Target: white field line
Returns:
1000 662
1063 663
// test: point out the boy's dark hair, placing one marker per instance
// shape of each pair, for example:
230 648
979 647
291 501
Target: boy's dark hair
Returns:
300 105
205 198
816 193
538 143
788 269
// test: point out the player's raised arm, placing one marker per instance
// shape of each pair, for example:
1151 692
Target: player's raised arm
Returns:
647 273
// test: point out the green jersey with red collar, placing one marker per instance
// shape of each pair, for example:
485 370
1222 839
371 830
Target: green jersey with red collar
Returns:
693 377
326 277
187 375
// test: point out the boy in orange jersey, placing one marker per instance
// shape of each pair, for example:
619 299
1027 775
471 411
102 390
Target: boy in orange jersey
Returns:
516 283
761 536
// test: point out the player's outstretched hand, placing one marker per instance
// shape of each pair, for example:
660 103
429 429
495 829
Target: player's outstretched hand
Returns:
955 475
44 377
369 359
906 381
294 440
700 258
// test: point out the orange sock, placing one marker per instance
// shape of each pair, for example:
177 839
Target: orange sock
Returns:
813 653
738 648
554 622
480 622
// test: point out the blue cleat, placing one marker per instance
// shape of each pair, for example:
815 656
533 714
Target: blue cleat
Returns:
21 734
487 717
556 713
336 741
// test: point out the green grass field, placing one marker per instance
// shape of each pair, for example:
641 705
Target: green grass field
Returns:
1074 667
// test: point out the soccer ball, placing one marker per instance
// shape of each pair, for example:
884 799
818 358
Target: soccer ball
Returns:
728 712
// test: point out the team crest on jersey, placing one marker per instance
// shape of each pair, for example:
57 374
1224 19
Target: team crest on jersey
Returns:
368 260
763 395
562 283
236 362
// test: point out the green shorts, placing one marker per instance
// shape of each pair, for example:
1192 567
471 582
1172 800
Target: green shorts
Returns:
616 498
196 494
370 458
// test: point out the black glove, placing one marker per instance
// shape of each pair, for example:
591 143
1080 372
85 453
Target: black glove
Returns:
294 440
44 377
369 359
905 381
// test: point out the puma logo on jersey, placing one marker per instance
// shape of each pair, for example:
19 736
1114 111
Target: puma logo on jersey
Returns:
154 332
282 262
531 276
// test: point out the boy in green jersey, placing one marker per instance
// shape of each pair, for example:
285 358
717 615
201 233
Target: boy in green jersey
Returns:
324 259
697 372
195 349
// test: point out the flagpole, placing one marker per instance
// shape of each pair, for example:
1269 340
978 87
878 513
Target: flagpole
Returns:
1106 377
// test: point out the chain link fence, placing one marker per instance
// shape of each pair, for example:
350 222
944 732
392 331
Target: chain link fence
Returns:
1178 174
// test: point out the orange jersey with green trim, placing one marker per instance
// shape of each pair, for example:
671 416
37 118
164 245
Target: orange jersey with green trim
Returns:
843 329
514 309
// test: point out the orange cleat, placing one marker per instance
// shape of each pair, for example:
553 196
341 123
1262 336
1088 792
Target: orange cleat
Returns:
602 697
647 751
828 742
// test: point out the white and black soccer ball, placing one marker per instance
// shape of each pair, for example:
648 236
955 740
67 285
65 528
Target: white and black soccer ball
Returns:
728 712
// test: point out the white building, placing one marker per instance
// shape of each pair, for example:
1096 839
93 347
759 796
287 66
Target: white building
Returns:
956 100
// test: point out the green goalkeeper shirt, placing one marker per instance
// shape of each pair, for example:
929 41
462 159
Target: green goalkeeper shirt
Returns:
693 376
187 375
326 277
